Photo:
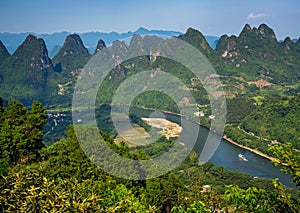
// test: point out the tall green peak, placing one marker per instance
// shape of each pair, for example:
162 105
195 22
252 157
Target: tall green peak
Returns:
246 31
137 44
195 33
72 56
73 45
226 43
136 41
100 45
34 53
197 39
267 32
119 48
260 39
26 72
222 43
287 40
263 32
136 37
288 43
247 27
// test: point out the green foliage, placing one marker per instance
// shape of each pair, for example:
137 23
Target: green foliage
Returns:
258 200
21 132
238 108
196 207
247 139
288 159
277 119
33 192
156 100
163 192
66 180
61 178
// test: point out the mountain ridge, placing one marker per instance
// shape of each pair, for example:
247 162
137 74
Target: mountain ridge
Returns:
246 57
90 39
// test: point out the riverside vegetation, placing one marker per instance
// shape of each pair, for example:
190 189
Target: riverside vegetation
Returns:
261 82
60 178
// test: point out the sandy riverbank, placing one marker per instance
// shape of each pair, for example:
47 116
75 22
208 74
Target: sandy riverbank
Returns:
250 149
167 128
132 139
170 129
228 139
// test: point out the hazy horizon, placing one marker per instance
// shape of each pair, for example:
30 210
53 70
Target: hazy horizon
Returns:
213 18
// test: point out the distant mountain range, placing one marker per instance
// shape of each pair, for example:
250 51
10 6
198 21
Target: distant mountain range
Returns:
253 59
55 41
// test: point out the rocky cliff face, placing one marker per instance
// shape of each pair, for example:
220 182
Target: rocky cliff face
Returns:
226 44
267 33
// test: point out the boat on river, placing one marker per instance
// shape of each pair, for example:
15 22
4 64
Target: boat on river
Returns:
241 156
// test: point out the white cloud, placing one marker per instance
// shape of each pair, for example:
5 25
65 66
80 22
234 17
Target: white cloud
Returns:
255 16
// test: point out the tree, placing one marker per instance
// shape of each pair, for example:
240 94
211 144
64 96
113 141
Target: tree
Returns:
163 191
21 132
196 207
288 160
258 200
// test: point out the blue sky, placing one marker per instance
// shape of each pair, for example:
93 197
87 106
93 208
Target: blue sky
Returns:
211 17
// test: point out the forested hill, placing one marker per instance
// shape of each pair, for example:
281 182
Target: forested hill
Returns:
255 70
254 57
60 178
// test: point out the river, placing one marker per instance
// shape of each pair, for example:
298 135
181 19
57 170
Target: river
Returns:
226 154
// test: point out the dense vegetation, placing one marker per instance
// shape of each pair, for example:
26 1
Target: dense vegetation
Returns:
261 82
60 178
276 119
21 133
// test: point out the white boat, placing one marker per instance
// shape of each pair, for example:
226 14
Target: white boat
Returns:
242 157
